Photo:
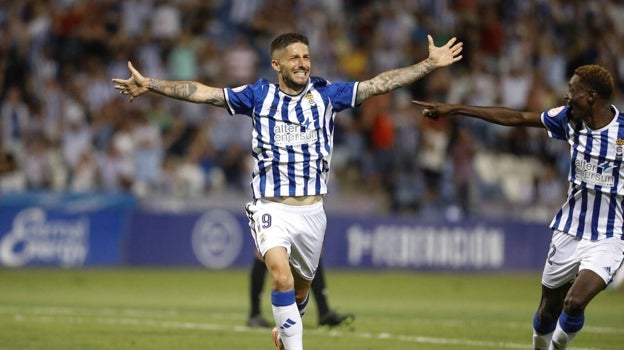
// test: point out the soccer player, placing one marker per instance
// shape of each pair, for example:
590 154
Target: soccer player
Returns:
291 143
587 244
326 316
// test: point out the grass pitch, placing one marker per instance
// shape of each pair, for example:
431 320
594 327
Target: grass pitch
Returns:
153 309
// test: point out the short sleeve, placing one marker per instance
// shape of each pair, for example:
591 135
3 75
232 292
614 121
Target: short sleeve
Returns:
556 121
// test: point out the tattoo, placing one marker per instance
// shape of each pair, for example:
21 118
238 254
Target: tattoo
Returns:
181 90
392 80
215 97
188 91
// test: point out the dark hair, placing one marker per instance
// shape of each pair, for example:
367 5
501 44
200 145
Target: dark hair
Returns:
283 40
597 78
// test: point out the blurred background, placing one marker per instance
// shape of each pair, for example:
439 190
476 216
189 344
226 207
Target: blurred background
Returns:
65 129
71 145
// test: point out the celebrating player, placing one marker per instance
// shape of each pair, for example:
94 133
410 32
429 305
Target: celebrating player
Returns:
291 143
587 245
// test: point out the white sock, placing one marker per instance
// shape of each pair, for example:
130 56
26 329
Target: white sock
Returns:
288 321
541 341
304 305
560 339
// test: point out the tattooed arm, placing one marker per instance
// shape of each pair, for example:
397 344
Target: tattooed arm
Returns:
190 91
394 79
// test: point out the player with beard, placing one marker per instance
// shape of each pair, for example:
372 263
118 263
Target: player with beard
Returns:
291 143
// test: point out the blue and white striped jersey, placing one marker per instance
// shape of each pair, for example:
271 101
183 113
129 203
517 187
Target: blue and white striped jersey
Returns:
292 136
593 208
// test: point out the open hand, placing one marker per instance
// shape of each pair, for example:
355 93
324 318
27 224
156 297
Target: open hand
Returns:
445 55
133 86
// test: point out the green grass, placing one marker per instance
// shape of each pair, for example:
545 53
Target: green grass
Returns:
152 309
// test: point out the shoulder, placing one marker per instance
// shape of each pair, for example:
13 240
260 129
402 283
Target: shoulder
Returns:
319 82
253 88
557 112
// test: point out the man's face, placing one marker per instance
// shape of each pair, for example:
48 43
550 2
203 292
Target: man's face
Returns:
292 65
579 98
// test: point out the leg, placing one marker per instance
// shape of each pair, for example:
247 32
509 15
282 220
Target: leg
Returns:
586 286
545 319
289 331
258 273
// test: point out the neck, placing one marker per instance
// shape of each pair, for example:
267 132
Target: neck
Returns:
600 117
291 88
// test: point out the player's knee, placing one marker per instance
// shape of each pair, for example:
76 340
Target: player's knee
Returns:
574 305
282 281
547 317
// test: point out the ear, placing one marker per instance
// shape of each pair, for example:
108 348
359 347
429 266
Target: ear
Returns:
275 65
591 97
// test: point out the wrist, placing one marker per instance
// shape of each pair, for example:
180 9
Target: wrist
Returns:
429 65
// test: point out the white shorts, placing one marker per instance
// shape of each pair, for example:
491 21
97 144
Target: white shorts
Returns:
299 229
568 255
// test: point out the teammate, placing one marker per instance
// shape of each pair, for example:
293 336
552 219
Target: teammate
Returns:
326 316
291 143
587 245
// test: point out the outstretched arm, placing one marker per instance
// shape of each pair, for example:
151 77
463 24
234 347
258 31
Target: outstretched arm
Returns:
190 91
394 79
497 115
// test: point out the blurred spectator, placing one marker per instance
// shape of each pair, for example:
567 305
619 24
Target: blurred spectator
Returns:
77 134
462 150
85 174
432 159
240 62
37 164
15 118
12 177
147 153
116 170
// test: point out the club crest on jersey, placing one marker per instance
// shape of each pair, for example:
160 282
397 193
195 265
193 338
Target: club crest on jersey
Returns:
553 112
619 147
310 98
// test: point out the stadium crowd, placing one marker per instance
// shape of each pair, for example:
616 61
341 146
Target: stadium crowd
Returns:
64 128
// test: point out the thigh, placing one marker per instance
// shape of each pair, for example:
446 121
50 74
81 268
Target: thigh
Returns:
268 226
585 287
562 263
298 229
603 257
308 243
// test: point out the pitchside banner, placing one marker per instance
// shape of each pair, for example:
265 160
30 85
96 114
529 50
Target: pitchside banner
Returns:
219 239
65 230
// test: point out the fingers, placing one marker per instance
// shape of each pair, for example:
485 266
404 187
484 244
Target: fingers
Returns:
451 42
423 104
429 110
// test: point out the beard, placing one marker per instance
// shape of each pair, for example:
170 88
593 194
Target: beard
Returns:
295 85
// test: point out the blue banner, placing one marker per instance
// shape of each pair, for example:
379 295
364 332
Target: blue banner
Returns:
403 243
51 229
85 230
214 239
220 239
